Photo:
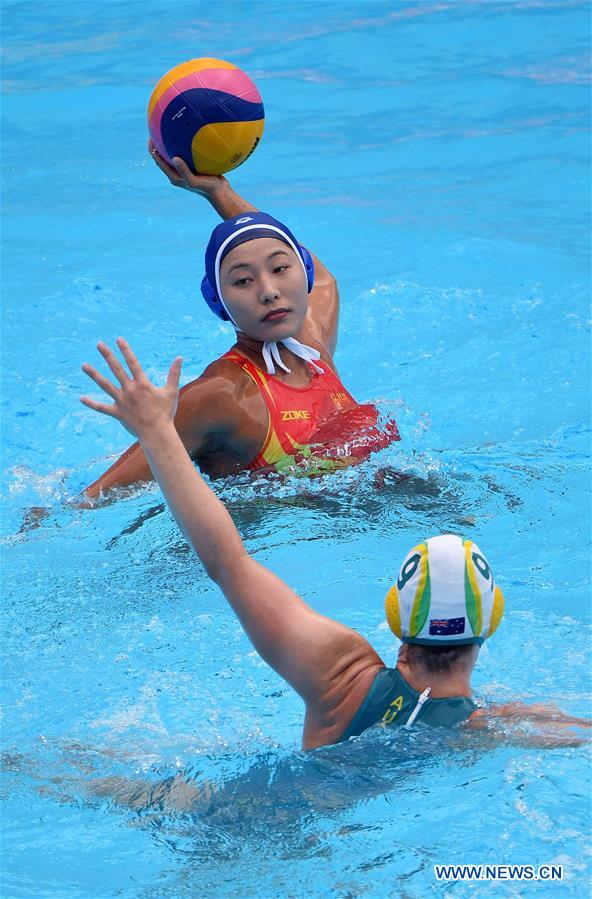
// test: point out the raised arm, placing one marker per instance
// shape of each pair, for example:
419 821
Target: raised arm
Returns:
323 305
328 664
214 188
324 298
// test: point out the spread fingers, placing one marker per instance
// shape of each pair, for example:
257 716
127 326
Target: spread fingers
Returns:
100 380
113 363
130 357
98 407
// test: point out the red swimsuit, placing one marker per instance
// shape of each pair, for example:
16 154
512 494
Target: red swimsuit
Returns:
318 427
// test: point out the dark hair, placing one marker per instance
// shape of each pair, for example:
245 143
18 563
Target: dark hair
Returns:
439 658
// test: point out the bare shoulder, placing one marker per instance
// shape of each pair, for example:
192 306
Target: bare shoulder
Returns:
323 308
222 381
347 682
219 374
219 402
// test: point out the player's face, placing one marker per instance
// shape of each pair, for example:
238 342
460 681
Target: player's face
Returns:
264 288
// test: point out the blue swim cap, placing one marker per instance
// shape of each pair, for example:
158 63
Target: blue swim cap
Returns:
237 230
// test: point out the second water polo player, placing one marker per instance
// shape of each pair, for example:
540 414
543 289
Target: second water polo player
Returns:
275 400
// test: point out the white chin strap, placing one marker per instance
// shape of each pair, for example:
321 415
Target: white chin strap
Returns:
271 354
271 351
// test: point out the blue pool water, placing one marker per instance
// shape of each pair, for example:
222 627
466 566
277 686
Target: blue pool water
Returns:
435 156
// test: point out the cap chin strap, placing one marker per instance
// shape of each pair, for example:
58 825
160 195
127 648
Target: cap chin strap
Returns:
271 351
271 354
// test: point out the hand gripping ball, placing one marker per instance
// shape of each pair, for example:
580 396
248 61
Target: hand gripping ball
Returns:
209 113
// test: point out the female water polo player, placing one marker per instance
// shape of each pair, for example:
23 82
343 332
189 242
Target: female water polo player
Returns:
274 401
444 605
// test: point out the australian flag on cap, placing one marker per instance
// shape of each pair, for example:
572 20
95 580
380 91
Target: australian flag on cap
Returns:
447 627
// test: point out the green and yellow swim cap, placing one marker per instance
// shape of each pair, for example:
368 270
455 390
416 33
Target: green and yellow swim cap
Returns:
445 594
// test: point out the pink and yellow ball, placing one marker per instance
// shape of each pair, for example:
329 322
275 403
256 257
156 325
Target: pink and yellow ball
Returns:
209 113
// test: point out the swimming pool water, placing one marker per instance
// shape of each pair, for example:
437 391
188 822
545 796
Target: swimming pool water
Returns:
435 156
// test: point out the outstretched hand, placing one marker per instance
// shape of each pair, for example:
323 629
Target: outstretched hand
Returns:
180 175
138 404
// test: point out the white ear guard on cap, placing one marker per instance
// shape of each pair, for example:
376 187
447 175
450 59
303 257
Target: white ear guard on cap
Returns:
445 594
